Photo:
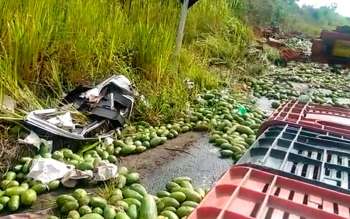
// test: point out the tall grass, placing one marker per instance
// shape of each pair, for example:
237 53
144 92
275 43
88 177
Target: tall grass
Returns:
48 47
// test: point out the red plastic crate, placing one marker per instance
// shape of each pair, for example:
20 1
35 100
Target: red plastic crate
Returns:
248 193
334 121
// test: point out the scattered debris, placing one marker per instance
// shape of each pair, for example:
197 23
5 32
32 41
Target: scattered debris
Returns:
88 113
290 55
275 43
300 44
70 180
105 171
46 169
37 142
32 139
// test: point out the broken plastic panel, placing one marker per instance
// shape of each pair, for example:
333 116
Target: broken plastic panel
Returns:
88 113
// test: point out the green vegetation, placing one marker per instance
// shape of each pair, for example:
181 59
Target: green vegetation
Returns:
48 47
290 17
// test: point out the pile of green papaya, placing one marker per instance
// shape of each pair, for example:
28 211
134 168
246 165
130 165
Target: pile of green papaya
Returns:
86 160
18 191
179 199
14 194
324 84
233 126
126 198
141 136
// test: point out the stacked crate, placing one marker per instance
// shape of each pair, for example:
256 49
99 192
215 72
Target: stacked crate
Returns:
334 121
299 167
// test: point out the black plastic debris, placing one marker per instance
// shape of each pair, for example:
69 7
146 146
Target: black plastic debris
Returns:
87 113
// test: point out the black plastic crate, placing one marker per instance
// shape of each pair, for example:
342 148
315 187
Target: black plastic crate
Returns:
303 154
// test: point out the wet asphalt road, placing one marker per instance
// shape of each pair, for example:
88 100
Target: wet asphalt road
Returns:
201 163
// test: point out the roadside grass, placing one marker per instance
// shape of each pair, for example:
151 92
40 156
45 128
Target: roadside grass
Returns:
49 47
107 189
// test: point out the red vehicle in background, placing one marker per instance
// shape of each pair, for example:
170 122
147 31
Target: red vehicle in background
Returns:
332 47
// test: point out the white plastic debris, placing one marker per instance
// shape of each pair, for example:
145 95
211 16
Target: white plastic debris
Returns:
108 141
44 111
121 81
32 139
70 180
105 171
65 121
36 118
93 95
47 169
36 141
